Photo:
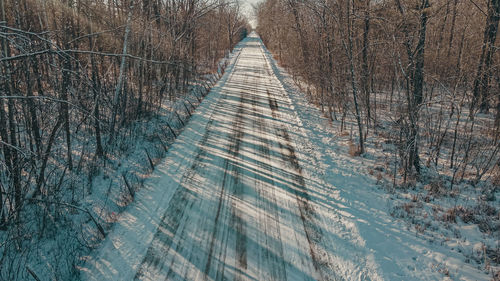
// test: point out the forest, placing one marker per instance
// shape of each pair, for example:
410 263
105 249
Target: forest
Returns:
78 80
423 75
337 121
413 88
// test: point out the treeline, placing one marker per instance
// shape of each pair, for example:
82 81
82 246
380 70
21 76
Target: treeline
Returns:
428 68
76 71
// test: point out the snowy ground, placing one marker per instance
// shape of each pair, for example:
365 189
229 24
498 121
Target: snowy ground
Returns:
414 244
255 188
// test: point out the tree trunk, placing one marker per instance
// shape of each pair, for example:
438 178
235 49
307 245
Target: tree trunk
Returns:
41 176
364 65
10 134
295 12
497 117
353 80
96 88
452 29
35 125
118 89
417 85
64 107
481 82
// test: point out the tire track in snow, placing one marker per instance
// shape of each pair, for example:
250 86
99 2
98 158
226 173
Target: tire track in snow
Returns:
231 185
183 199
308 215
269 216
241 209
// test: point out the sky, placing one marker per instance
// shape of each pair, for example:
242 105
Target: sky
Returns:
248 11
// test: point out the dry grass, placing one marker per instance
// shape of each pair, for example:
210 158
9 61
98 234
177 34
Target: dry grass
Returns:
435 187
495 177
344 133
465 214
354 149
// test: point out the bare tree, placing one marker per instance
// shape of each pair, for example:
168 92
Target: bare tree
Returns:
482 79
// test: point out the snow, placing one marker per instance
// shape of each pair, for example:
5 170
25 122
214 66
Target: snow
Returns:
258 188
390 248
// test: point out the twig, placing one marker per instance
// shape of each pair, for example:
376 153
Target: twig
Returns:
171 130
17 148
149 159
55 100
478 7
178 117
130 190
99 227
187 110
32 274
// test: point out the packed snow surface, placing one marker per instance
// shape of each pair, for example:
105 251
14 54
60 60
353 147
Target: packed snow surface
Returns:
253 189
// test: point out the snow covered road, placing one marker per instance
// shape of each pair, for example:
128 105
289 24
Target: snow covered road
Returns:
255 188
230 201
238 211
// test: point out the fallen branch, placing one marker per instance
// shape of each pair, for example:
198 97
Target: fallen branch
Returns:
130 189
149 159
180 119
32 273
171 130
187 110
